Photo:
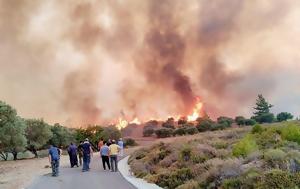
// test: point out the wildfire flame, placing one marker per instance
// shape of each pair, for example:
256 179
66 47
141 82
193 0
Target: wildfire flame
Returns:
196 112
136 121
122 123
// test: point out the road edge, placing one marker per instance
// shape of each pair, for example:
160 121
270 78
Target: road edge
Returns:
124 169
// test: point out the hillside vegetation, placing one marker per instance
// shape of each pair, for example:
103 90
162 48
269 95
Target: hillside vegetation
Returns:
264 156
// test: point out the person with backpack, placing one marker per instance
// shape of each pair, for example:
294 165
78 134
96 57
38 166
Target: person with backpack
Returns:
54 160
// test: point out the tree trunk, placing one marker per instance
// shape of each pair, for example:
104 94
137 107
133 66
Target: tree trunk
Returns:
33 150
15 154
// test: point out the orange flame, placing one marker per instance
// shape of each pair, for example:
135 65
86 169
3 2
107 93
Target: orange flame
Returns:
196 112
136 121
122 123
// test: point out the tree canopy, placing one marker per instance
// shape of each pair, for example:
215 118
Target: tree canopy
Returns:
38 133
283 116
262 111
62 136
12 130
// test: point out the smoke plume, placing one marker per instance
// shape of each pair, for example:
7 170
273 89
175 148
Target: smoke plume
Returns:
91 61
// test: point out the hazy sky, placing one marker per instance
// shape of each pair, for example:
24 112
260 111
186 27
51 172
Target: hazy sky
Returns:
96 60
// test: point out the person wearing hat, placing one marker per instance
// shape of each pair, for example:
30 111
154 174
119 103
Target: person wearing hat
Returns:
113 152
87 153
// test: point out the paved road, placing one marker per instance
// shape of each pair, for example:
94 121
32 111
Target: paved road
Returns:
73 178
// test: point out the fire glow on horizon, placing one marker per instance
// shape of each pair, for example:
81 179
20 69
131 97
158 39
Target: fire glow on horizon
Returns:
197 112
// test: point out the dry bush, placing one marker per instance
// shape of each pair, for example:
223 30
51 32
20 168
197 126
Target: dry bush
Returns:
139 169
208 150
223 153
218 169
169 160
191 184
198 169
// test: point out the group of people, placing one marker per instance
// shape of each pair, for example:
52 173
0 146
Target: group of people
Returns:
109 152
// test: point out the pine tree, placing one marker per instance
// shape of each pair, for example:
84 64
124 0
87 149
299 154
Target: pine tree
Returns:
262 110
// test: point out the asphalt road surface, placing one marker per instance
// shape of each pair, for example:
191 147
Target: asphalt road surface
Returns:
73 178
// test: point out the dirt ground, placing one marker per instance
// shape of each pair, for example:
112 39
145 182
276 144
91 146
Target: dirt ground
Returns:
19 174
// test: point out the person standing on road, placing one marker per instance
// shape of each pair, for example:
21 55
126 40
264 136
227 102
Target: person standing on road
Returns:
87 153
54 160
80 152
113 152
72 150
100 144
104 152
109 142
121 144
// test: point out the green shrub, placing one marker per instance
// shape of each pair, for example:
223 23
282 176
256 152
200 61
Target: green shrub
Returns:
283 116
244 146
275 157
291 132
129 142
250 122
169 123
191 184
204 124
257 128
296 178
225 121
276 178
191 130
164 132
147 132
219 126
250 178
186 153
240 120
199 158
232 183
179 131
269 138
265 118
220 145
173 179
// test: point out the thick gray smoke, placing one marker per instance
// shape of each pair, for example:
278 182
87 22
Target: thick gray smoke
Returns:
81 62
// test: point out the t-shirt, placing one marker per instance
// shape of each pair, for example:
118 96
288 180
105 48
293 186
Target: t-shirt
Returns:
113 149
104 151
53 152
121 143
86 148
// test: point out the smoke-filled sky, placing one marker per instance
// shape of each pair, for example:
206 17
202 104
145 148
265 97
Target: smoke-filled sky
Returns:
79 62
